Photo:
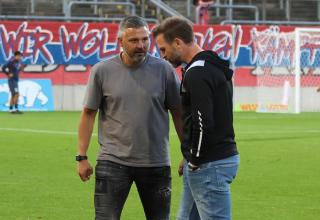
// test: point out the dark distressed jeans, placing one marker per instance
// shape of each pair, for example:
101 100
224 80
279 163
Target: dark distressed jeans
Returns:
113 183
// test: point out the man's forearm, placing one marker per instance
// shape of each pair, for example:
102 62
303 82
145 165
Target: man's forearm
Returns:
85 130
177 120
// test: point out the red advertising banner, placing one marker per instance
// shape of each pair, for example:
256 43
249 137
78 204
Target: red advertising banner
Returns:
64 52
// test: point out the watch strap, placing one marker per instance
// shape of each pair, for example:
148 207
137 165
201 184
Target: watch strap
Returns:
81 157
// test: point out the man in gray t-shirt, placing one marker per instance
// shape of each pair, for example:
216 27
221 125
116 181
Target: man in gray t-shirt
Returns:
133 93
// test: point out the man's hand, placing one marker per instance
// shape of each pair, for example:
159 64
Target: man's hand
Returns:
180 169
10 75
84 170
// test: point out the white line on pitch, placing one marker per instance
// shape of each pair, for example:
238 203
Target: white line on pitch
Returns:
41 131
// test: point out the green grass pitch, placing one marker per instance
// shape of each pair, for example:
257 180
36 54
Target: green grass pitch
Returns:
278 179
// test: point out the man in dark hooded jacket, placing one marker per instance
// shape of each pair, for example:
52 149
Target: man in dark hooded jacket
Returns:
208 144
12 69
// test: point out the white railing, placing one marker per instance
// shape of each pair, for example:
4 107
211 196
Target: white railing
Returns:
160 5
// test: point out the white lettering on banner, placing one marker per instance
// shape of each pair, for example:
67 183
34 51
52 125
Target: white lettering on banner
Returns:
32 42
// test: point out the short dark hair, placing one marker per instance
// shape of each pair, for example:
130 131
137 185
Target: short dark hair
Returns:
17 53
175 27
131 22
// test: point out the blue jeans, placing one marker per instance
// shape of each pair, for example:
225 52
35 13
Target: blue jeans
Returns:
113 183
206 191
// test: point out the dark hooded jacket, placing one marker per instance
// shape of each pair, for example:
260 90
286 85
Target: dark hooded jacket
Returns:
14 67
206 91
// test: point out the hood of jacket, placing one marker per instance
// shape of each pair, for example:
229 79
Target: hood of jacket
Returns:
214 59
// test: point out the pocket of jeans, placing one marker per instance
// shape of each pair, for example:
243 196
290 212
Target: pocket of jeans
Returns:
225 175
107 173
101 178
101 186
200 176
105 168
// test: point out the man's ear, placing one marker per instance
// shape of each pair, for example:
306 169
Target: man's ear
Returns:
177 42
120 41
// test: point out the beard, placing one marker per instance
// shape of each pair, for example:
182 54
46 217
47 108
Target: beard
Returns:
136 55
175 62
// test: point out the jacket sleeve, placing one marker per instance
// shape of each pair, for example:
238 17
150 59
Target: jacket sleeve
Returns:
6 68
200 88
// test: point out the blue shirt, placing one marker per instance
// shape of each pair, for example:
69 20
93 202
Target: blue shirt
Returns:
12 67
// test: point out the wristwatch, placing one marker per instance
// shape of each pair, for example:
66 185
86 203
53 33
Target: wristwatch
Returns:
81 157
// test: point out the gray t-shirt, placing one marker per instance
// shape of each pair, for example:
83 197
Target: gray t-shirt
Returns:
133 108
